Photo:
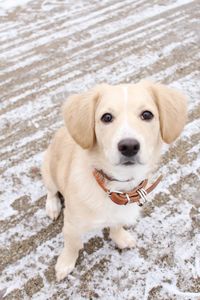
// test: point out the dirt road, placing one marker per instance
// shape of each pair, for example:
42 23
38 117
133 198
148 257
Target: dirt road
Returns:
49 49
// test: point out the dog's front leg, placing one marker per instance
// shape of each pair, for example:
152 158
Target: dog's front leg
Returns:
121 237
72 244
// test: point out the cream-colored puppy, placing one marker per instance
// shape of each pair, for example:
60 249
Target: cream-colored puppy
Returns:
118 130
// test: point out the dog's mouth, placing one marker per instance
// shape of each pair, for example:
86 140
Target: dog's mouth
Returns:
130 161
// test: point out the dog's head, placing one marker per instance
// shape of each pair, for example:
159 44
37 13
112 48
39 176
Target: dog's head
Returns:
126 123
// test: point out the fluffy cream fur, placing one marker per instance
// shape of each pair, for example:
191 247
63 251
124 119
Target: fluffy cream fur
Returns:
86 143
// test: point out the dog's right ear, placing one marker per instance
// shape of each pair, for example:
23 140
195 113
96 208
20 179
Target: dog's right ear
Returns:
79 116
172 109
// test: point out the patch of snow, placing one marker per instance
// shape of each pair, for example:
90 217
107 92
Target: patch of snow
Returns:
9 5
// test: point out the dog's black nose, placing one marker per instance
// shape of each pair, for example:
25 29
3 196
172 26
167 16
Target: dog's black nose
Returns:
128 147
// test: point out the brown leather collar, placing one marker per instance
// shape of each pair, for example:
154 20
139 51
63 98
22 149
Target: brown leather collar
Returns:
111 178
137 195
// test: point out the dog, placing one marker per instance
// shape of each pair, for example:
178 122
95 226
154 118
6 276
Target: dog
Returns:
111 142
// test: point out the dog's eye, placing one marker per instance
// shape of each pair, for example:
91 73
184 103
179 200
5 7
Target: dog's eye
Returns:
107 118
146 115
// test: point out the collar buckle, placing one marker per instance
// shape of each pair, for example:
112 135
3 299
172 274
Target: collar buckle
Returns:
143 196
128 199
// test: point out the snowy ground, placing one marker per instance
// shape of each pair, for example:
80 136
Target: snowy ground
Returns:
49 49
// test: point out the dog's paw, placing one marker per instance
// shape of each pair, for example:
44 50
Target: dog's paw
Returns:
63 267
53 207
123 239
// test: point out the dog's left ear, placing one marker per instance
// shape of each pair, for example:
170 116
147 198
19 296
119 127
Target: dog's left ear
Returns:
79 116
172 110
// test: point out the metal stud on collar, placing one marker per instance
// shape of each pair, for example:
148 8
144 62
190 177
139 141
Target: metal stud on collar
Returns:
109 192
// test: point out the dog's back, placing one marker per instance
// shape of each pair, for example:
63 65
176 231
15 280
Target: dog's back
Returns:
57 160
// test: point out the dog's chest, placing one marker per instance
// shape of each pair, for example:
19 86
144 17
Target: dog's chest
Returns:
112 214
108 213
94 207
